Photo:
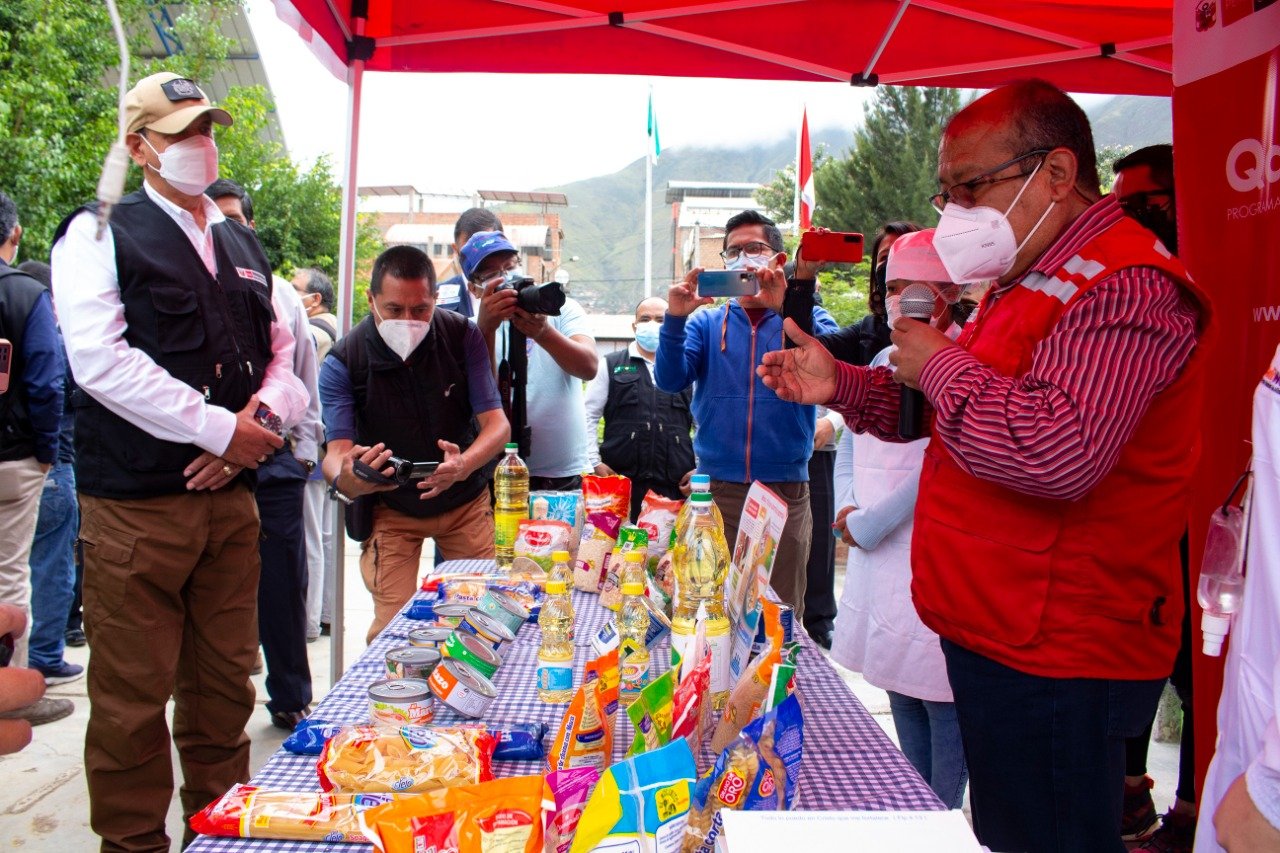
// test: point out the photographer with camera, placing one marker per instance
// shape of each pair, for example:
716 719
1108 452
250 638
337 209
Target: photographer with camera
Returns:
415 382
543 350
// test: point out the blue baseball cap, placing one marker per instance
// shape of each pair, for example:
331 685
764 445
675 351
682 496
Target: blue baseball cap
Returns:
481 245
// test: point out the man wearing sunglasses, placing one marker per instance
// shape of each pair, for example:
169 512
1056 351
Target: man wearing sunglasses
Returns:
1061 413
745 432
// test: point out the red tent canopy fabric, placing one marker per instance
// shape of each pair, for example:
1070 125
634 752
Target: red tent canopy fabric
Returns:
1089 46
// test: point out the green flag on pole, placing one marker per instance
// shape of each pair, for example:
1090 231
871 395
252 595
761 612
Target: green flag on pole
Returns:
653 131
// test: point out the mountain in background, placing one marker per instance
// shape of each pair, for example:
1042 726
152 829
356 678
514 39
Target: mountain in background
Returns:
604 223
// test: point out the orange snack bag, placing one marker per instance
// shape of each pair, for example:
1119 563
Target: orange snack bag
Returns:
502 815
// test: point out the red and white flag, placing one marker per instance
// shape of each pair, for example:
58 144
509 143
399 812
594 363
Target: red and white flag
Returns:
805 200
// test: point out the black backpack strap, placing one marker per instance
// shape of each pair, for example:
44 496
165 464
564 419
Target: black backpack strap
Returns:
324 326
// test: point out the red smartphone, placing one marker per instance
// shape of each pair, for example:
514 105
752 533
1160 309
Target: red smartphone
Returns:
835 247
6 357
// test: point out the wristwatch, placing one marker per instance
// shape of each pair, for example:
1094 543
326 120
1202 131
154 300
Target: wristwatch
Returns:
335 495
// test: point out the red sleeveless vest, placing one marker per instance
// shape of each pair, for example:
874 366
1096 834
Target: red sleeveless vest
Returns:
1085 588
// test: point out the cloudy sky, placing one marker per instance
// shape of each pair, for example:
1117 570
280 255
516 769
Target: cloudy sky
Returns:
469 131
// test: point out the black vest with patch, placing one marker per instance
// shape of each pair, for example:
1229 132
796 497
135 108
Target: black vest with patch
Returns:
213 334
646 430
19 293
410 405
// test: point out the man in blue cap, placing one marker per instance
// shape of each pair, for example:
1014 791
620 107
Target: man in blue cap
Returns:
562 355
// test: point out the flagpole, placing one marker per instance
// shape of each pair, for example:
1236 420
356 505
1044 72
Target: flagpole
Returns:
648 224
795 211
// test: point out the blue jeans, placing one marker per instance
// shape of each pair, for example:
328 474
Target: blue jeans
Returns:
53 567
929 735
1045 755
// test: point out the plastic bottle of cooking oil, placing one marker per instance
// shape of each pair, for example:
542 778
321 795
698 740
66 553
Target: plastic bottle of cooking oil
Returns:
511 487
555 655
701 562
562 570
698 484
633 654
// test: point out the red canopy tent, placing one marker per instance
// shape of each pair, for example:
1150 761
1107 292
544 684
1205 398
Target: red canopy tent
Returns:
1097 46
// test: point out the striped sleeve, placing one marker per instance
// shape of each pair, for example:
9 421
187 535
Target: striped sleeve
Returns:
867 398
1057 431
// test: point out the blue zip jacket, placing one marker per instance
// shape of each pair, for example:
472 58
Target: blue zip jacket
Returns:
745 432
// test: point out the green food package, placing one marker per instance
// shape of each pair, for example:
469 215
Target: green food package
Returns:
651 713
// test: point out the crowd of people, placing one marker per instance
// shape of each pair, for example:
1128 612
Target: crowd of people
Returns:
178 420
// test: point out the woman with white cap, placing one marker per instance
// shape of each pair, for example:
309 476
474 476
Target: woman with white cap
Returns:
877 631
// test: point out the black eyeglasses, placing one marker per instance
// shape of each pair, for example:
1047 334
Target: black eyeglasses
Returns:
964 193
1152 200
754 249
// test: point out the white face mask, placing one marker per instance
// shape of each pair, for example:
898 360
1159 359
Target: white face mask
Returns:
402 336
189 166
977 243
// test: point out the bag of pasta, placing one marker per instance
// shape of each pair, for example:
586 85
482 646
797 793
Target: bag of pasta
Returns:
757 772
502 815
407 759
250 812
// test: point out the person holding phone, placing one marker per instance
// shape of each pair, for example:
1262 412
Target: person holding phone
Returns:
185 381
745 431
416 382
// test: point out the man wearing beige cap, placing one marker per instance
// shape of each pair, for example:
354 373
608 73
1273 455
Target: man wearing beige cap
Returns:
185 381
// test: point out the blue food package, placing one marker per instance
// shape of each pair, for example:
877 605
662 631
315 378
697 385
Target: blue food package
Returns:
640 803
423 607
515 742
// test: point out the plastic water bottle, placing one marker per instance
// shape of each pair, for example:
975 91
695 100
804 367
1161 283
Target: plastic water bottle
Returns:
633 653
511 488
701 562
698 484
1221 576
555 655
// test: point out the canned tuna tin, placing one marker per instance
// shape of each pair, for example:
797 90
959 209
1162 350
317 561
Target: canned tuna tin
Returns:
473 651
412 662
451 614
401 702
431 638
462 688
486 628
503 607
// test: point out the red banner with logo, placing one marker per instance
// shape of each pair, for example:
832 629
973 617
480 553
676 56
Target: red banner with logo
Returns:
1227 170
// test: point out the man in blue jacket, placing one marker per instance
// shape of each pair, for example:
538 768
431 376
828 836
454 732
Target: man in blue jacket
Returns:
745 433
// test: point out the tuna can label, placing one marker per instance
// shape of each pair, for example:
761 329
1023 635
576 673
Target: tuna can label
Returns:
400 702
412 662
503 608
462 688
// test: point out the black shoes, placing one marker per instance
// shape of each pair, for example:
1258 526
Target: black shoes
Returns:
288 720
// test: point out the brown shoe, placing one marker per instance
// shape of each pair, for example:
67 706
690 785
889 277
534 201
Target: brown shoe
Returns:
41 711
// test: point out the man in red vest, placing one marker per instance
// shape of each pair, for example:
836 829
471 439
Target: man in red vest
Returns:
1064 414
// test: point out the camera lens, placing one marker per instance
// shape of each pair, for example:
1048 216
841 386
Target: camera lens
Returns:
403 469
542 298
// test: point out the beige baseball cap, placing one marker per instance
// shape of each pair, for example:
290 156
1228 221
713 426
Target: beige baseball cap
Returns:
168 103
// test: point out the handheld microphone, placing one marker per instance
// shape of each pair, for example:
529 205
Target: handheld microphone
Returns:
917 301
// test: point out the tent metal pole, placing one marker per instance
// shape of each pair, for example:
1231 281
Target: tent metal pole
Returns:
884 40
904 77
346 289
770 57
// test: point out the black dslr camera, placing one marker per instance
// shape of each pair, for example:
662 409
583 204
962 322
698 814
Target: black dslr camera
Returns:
534 298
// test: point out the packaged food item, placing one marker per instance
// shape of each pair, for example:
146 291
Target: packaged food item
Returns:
472 591
652 712
559 506
606 669
641 803
512 741
564 797
747 698
538 539
584 737
526 572
502 816
662 581
246 811
690 704
599 535
658 518
472 651
412 661
610 494
480 624
430 638
407 759
757 772
630 538
401 701
504 607
463 689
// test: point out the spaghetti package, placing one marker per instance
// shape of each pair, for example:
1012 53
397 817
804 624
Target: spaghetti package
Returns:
584 737
512 741
757 772
559 506
599 535
641 803
470 591
539 539
502 816
564 798
610 494
249 812
407 759
747 698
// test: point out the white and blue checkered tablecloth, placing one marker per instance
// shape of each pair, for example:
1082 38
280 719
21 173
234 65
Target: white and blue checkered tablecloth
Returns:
849 762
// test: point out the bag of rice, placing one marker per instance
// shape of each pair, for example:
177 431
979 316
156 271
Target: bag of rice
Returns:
598 537
539 539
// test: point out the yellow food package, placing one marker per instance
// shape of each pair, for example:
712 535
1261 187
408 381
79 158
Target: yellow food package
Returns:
502 816
406 759
584 737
